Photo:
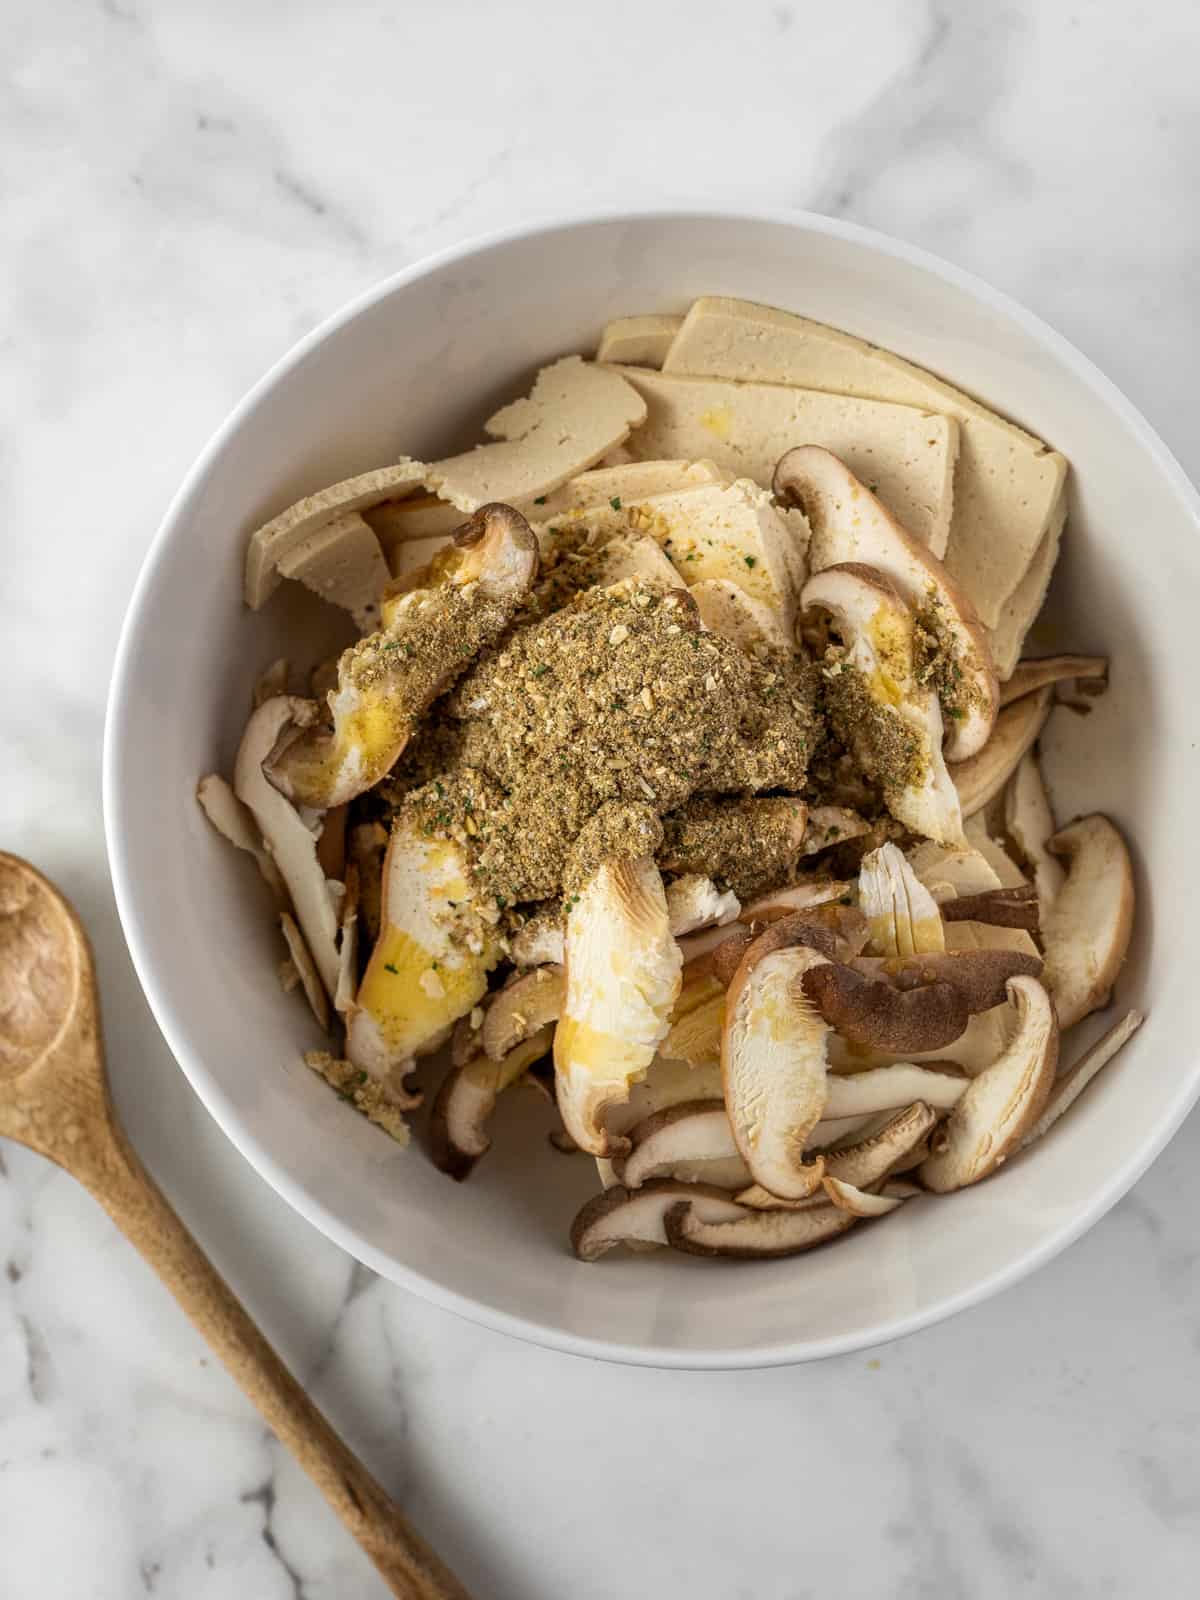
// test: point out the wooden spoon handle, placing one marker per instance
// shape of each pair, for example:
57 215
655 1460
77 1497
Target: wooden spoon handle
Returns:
138 1207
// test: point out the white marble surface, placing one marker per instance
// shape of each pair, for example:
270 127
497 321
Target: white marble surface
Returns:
188 187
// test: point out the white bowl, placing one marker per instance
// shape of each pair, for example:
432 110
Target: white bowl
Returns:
415 366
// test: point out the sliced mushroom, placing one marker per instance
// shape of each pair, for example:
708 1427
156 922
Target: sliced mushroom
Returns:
1088 928
1029 822
293 846
1017 727
310 978
1037 673
522 1008
856 1201
891 722
759 1236
901 1189
1071 1084
234 822
540 941
429 966
902 915
998 908
695 1037
695 902
1004 1101
1008 873
850 525
773 1067
857 1094
980 976
458 1127
623 975
870 1157
691 1141
954 875
769 907
387 681
873 1012
618 1217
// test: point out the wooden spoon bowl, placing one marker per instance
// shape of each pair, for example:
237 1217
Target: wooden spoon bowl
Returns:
54 1098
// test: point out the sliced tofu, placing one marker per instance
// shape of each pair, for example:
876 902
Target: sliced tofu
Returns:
628 483
341 562
275 540
733 532
408 558
418 517
906 455
1020 610
727 609
1007 485
638 341
576 413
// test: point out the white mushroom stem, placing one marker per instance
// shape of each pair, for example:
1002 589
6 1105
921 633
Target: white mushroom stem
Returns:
292 844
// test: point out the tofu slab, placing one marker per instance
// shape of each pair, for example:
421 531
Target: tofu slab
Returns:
1007 485
638 341
575 415
720 531
905 454
342 562
272 543
1020 610
629 482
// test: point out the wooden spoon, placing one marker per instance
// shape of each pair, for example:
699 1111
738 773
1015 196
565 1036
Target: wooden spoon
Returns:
54 1098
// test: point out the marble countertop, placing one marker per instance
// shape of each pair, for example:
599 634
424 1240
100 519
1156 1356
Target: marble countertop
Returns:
189 188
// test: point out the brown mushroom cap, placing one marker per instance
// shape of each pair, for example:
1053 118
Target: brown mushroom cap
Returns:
458 1125
1040 671
865 1158
873 1012
1000 908
980 976
1003 1102
690 1140
850 525
1088 928
522 1008
759 1236
616 1216
982 777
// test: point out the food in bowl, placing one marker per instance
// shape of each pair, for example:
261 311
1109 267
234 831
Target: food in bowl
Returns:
688 744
